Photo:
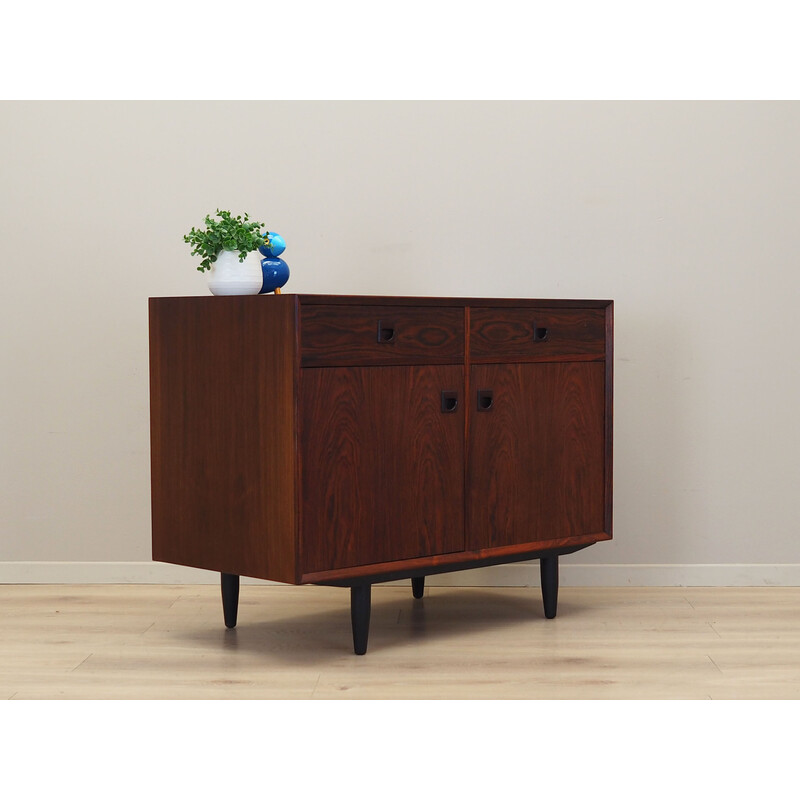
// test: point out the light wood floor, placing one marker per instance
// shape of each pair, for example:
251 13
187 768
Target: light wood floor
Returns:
150 642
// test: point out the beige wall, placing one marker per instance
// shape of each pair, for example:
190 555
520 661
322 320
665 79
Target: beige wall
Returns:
686 214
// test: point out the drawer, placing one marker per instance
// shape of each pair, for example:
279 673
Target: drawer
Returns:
363 335
536 334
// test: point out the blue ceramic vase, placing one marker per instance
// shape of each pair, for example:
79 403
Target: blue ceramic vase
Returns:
275 272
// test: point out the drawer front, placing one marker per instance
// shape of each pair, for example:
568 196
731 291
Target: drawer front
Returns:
532 334
374 335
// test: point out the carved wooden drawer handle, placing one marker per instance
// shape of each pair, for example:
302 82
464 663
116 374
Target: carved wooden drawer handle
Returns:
449 402
485 399
386 332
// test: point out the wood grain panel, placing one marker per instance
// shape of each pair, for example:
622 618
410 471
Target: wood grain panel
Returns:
535 469
366 301
383 467
509 334
223 434
348 335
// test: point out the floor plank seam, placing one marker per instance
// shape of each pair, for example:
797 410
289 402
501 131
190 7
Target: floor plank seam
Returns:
711 625
715 664
82 662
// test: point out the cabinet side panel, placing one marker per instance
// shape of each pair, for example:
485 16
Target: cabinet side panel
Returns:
222 434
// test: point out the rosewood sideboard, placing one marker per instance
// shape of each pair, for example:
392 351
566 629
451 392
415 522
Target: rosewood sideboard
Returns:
350 440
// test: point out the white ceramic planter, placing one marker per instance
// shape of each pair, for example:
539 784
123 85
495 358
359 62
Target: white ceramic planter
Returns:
228 275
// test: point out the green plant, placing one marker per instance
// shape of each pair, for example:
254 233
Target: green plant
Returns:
226 233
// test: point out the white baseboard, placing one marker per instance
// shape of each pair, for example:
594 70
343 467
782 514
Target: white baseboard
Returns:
521 574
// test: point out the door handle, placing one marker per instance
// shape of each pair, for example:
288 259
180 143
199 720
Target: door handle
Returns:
449 402
485 399
539 334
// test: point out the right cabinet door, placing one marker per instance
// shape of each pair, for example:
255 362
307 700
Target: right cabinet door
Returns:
535 468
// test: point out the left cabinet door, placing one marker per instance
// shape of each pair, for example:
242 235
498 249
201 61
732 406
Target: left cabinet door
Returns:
382 464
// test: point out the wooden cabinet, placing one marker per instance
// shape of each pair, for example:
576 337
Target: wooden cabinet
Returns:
352 440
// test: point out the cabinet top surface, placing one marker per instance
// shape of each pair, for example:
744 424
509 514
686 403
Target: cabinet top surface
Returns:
363 300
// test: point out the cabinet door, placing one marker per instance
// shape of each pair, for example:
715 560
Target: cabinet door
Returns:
382 464
536 452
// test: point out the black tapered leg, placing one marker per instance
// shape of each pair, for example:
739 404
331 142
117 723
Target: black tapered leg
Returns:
549 571
360 597
230 598
418 586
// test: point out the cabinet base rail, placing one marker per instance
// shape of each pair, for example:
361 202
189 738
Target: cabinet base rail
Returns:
361 594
